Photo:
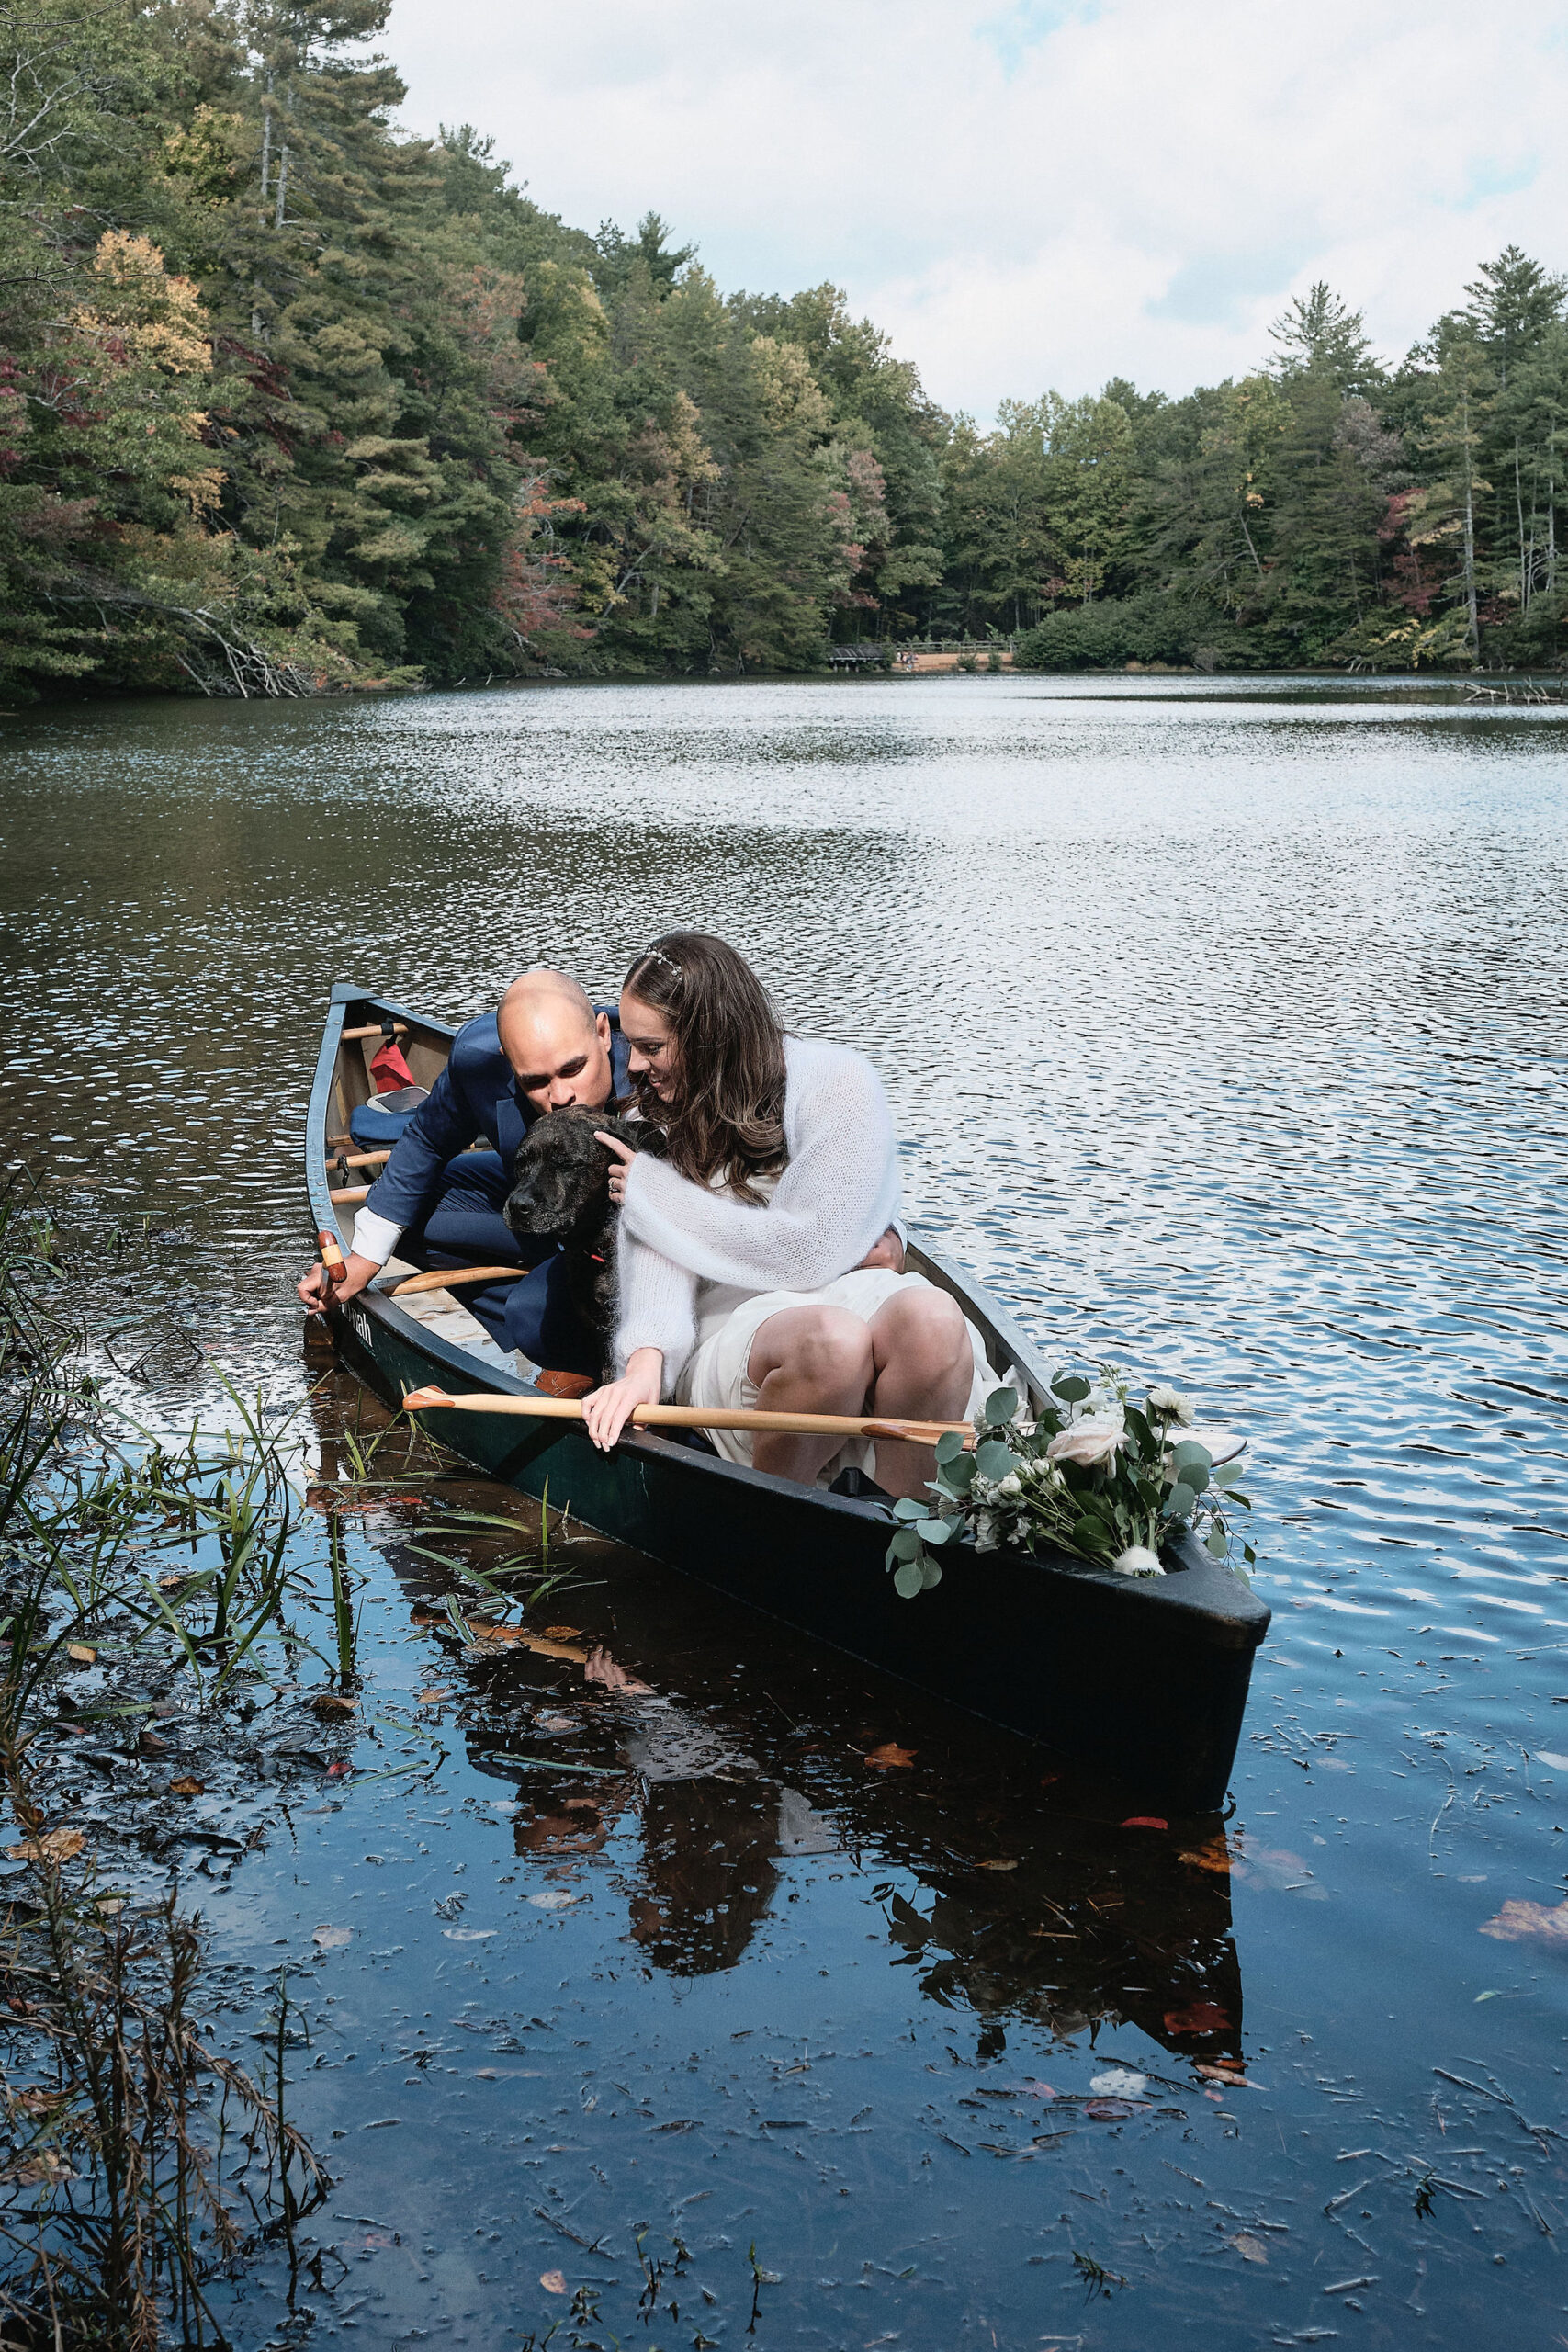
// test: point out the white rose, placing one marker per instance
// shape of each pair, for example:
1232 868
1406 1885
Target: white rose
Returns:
1137 1560
1089 1443
1009 1488
1173 1405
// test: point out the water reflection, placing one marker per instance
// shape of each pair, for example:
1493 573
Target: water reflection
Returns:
1012 1893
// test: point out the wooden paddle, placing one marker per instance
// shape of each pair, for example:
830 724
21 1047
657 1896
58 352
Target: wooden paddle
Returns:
448 1277
692 1417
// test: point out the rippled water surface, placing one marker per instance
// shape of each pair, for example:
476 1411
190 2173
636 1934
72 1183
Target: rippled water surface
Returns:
1225 1034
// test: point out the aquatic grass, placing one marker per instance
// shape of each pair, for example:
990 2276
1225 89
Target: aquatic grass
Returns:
115 2212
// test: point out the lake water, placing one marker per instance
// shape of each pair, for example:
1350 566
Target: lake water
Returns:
1224 1025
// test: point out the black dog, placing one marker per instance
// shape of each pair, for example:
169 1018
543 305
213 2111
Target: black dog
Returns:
562 1194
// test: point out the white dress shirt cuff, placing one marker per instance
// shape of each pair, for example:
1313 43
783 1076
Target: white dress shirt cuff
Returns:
375 1237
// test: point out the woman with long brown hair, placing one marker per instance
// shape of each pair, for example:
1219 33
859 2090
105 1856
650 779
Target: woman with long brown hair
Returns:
759 1263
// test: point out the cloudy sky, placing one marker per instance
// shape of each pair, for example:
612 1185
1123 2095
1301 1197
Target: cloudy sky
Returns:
1034 193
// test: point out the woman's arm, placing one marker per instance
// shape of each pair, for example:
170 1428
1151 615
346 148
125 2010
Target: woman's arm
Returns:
837 1193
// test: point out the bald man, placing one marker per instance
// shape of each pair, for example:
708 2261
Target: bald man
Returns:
438 1204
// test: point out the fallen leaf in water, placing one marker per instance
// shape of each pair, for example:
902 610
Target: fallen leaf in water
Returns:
331 1938
336 1771
1216 1855
468 1935
1250 2249
54 1846
1119 2081
601 1668
433 1698
542 1644
995 1866
891 1757
81 1654
564 1632
150 1745
172 1582
1037 2090
328 1702
1145 1821
1230 2076
1517 1920
555 1901
188 1788
1198 2016
1107 2110
553 2282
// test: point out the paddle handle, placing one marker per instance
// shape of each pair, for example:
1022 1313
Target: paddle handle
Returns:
691 1417
448 1277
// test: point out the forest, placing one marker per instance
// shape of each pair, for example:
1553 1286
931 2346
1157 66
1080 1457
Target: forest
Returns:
292 402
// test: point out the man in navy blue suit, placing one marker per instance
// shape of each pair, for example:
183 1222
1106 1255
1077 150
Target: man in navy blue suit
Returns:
437 1202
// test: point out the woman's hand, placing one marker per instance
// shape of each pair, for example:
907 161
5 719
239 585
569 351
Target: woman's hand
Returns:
623 1157
606 1412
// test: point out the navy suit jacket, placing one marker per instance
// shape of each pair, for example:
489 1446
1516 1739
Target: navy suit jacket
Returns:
476 1094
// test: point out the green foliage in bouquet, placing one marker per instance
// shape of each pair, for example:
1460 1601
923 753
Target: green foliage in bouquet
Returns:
1096 1476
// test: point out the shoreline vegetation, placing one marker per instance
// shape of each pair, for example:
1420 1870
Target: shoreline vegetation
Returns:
292 403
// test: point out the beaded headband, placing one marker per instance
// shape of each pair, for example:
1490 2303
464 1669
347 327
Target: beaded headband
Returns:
657 955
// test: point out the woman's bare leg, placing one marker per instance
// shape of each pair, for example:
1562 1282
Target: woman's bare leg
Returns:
807 1360
922 1368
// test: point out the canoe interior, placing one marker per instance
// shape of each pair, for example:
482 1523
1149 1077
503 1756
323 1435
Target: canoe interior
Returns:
1144 1682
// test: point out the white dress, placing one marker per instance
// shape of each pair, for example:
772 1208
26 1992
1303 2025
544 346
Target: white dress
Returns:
728 1317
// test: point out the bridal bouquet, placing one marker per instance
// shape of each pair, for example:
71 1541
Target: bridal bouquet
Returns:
1097 1476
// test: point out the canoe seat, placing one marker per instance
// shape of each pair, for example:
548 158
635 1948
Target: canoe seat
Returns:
375 1125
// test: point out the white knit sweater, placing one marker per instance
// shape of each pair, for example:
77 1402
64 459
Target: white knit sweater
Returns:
837 1194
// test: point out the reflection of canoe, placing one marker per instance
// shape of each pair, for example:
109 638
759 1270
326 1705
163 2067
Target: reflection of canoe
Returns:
1144 1680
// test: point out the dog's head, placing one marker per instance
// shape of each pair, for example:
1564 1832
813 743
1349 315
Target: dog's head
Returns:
563 1172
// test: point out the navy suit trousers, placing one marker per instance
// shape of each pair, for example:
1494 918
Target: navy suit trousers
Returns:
465 1227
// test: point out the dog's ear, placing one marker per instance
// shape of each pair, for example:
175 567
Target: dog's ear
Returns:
647 1137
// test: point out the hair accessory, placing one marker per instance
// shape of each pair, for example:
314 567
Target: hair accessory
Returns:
657 955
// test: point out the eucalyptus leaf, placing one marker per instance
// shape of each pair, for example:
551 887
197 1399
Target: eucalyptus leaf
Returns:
906 1544
908 1508
1217 1543
931 1573
936 1531
1071 1387
1001 1406
959 1475
993 1460
948 1446
908 1580
1179 1501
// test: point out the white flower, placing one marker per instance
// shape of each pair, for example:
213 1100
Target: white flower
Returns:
1138 1561
1089 1443
1009 1488
986 1538
1172 1405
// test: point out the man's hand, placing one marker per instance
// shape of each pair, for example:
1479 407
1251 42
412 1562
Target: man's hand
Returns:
886 1254
315 1291
606 1412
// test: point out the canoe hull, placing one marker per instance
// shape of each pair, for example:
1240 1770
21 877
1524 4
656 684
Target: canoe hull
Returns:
1146 1683
1143 1682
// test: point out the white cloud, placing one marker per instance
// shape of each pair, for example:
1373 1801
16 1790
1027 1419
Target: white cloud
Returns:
1032 192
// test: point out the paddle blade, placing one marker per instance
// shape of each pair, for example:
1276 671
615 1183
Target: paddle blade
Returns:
420 1400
